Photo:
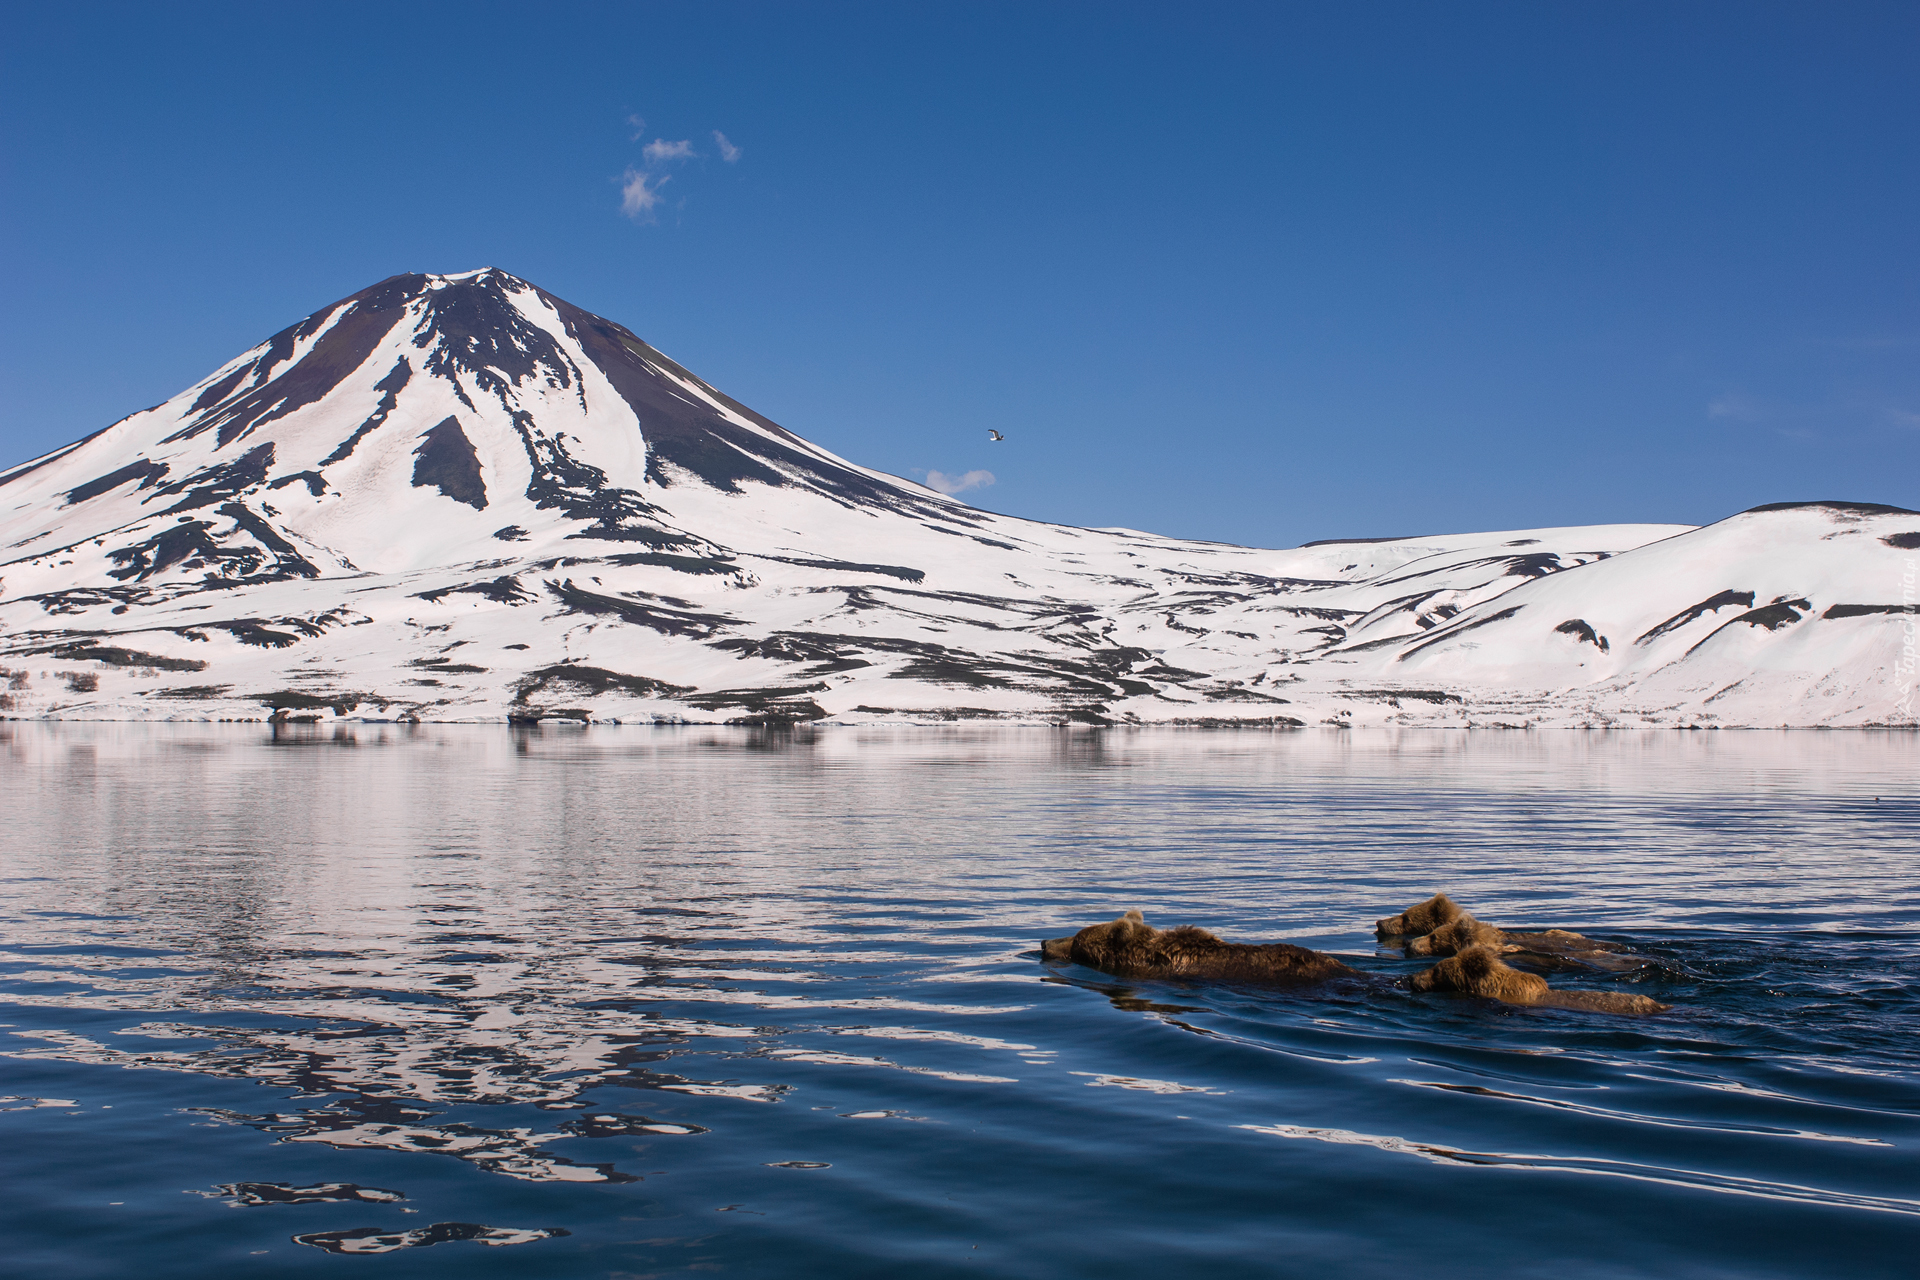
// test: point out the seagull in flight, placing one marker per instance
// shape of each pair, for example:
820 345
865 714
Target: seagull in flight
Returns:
997 437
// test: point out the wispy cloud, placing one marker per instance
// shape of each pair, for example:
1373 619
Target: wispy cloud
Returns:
1812 420
640 185
1735 406
640 193
660 150
941 482
1789 422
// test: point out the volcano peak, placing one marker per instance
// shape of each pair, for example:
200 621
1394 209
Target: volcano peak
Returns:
457 496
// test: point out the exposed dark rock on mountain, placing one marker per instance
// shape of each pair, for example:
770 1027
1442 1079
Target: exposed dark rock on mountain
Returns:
459 497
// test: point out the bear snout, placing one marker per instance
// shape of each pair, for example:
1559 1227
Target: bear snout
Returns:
1056 948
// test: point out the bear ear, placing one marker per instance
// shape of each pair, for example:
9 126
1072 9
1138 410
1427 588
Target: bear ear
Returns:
1135 916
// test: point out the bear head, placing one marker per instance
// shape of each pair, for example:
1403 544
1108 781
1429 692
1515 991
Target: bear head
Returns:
1423 917
1101 939
1479 971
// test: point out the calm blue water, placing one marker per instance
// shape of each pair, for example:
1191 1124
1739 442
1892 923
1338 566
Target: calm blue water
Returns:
637 1002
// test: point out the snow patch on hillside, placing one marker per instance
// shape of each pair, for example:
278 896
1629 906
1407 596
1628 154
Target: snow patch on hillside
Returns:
459 498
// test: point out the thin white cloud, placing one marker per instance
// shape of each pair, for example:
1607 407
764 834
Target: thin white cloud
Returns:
1735 406
660 150
640 185
1811 419
640 193
941 482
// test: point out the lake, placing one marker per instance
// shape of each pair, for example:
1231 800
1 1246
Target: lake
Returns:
637 1002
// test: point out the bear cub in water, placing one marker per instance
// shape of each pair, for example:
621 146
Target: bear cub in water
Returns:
1420 918
1446 929
1132 948
1479 971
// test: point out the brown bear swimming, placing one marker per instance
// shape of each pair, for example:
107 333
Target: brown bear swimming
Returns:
1479 971
1132 948
1459 930
1554 944
1455 936
1420 918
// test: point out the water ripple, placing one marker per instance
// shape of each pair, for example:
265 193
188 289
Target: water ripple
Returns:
658 990
1725 1184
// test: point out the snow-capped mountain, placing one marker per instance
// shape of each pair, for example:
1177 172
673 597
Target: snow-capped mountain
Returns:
460 498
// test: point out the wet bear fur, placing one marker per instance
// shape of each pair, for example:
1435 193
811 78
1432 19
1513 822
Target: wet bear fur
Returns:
1465 931
1422 918
1457 935
1132 948
1553 948
1479 971
1558 948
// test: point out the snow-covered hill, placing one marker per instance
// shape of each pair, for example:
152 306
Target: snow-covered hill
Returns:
459 497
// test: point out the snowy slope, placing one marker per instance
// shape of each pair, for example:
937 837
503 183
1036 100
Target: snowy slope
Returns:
459 497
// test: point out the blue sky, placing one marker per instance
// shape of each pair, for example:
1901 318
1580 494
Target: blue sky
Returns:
1257 273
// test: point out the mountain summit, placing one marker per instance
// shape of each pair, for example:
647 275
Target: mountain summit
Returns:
460 497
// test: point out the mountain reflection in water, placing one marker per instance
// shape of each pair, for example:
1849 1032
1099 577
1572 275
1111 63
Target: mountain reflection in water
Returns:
621 980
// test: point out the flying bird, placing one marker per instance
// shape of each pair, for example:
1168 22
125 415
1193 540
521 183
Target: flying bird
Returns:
995 434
